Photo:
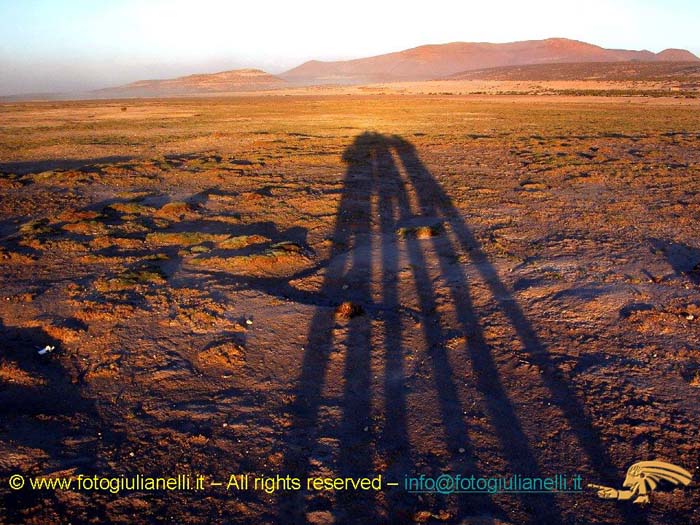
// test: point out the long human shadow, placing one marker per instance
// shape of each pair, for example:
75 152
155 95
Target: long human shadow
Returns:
352 224
435 201
374 203
382 174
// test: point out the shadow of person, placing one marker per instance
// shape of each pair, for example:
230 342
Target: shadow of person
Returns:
369 250
399 245
434 202
46 425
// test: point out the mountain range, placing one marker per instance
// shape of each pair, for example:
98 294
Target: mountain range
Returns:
454 60
438 61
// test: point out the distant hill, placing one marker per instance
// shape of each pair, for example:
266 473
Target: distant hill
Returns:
550 59
226 81
438 61
622 71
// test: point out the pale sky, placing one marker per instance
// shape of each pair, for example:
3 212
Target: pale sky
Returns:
65 45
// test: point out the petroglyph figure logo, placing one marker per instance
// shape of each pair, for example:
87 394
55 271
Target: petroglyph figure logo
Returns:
642 478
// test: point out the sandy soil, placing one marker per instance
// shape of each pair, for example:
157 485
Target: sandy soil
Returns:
349 286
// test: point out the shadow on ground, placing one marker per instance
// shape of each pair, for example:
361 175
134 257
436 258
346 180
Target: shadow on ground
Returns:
392 209
46 425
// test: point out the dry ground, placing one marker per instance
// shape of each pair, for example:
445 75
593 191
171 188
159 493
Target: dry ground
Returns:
520 275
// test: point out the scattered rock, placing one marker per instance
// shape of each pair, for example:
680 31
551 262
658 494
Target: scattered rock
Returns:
420 232
347 310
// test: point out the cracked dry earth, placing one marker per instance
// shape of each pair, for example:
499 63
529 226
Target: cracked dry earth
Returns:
349 286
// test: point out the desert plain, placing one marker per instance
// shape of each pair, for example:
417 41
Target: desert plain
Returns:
349 284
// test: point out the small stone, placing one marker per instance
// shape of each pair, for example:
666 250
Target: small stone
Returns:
348 310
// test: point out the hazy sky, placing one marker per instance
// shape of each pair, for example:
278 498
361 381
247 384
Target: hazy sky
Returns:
64 45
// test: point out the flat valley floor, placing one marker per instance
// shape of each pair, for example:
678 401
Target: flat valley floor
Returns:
320 286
